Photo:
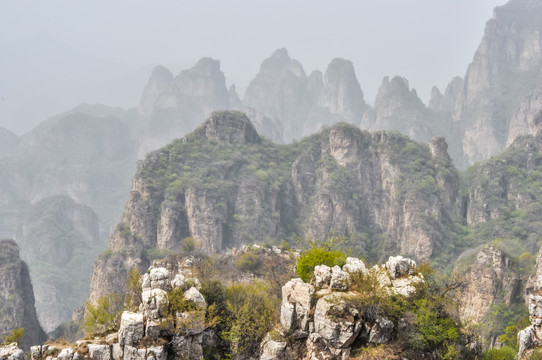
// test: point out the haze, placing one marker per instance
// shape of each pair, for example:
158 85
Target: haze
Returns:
58 53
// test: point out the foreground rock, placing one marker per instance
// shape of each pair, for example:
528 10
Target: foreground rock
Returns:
322 318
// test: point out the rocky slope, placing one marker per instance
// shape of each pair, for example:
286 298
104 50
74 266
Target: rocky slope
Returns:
17 297
225 186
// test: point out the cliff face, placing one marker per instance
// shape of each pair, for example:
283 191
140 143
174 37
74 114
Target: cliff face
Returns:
59 239
17 297
501 85
490 279
225 186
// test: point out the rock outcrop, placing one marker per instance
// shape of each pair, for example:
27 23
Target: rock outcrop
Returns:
530 337
490 279
323 320
341 181
17 297
152 332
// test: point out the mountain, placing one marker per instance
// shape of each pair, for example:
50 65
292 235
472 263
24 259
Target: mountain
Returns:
58 239
501 89
17 297
226 186
303 104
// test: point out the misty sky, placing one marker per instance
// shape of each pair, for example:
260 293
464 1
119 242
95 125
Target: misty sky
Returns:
58 53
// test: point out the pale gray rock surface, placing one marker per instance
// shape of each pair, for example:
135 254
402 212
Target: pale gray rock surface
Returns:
132 328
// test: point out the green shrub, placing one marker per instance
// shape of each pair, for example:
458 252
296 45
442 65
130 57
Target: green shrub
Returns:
249 261
133 294
124 230
104 316
317 256
156 253
504 353
189 244
14 337
250 317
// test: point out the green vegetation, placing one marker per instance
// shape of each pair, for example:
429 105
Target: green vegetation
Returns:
104 316
133 299
250 316
318 256
249 261
13 337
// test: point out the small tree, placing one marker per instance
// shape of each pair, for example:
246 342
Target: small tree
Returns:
133 295
14 337
317 256
104 316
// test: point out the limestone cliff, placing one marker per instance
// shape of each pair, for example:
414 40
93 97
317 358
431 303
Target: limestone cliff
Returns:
59 239
17 297
490 279
225 186
499 95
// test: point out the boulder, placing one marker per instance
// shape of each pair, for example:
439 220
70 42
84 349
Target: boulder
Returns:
399 266
159 278
131 328
526 341
99 352
296 304
154 302
406 285
336 321
339 279
272 349
117 351
195 296
157 353
354 265
11 352
66 354
187 347
178 281
381 332
322 276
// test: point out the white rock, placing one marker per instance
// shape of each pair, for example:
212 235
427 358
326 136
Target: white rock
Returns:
526 340
35 352
338 331
354 265
117 351
322 276
159 278
272 349
339 279
296 304
381 332
195 296
99 352
66 354
399 266
131 328
187 347
178 281
11 352
405 286
154 302
159 352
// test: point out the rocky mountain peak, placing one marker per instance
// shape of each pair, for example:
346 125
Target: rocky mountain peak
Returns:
342 93
439 148
159 82
229 126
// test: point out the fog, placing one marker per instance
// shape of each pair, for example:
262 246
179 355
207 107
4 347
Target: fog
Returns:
56 54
